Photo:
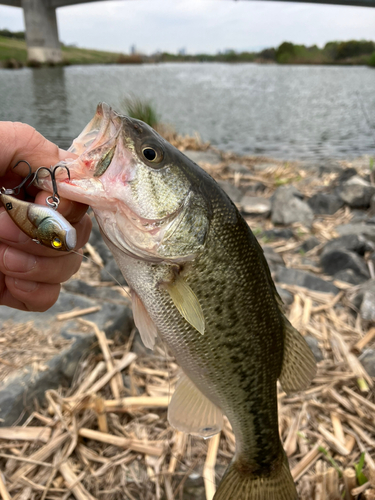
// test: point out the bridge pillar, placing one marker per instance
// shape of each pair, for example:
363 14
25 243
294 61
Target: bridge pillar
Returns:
41 32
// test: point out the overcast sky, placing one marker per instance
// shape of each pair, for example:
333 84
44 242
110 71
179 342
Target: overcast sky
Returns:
202 25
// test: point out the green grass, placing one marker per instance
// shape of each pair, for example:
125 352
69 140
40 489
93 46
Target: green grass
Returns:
11 48
141 110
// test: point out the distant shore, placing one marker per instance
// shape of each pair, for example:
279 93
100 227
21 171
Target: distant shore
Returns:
13 55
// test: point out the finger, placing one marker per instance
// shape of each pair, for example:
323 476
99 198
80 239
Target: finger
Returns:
22 142
28 295
14 237
30 268
71 210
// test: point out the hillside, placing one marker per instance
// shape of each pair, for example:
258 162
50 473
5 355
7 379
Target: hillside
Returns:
13 49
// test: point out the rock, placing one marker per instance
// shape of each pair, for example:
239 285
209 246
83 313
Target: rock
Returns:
232 191
367 230
258 187
304 279
278 234
359 216
333 261
346 174
19 391
288 207
357 180
325 203
314 346
368 361
329 167
238 167
286 296
364 300
349 276
356 192
309 244
111 272
273 259
256 205
351 242
82 288
200 157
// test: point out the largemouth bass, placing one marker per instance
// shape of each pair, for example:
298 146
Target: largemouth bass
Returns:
200 281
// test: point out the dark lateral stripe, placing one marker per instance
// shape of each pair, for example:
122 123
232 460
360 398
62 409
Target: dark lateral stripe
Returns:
104 162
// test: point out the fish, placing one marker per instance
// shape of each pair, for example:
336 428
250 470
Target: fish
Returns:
199 283
42 223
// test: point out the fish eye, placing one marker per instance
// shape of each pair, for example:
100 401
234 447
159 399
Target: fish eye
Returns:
56 243
152 154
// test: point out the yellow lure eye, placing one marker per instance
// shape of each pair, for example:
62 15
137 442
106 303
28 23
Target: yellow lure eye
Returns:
56 243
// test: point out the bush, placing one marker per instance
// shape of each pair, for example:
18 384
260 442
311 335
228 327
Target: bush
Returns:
285 52
354 48
20 35
141 110
267 54
371 61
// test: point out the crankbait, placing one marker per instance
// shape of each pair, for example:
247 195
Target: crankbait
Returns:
41 222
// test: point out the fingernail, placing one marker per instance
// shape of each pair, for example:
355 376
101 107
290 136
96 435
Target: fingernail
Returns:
25 286
18 262
9 231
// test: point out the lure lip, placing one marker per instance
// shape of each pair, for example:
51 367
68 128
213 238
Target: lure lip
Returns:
71 239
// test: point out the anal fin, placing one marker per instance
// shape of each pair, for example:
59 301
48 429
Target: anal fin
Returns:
299 366
143 322
192 412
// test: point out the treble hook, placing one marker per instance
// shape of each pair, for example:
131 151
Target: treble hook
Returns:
54 200
17 189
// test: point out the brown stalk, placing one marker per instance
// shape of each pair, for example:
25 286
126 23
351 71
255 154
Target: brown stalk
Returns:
116 383
306 462
209 467
361 344
76 313
26 433
3 490
350 483
152 448
73 483
41 455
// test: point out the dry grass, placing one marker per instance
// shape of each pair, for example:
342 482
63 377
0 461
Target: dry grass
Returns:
22 345
107 436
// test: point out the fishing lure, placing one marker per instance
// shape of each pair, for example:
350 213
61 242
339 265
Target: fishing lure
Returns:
41 222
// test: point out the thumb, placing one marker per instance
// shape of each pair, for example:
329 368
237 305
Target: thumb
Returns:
20 141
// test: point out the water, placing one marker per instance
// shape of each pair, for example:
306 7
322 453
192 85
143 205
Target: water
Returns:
294 112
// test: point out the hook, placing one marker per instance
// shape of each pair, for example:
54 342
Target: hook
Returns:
54 200
18 188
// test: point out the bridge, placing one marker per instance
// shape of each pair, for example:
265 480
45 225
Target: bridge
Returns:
42 36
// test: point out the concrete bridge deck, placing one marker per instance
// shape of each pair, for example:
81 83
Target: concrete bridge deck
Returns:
42 32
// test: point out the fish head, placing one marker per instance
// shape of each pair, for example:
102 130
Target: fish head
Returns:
145 194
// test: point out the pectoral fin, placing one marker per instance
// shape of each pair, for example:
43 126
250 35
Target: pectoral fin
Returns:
299 366
143 322
187 303
191 412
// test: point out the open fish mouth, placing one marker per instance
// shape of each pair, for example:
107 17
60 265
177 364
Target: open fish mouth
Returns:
100 130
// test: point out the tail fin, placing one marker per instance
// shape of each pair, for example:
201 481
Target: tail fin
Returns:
237 485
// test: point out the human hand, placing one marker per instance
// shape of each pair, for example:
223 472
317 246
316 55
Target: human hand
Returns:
30 274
